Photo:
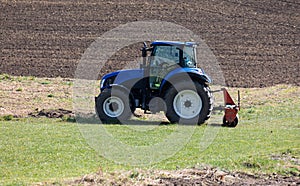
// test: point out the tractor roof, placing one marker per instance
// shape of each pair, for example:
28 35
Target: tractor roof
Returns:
176 43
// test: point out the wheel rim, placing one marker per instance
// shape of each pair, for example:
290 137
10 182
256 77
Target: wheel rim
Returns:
187 104
113 106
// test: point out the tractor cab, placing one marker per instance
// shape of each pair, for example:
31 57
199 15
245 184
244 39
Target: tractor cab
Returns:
166 56
173 53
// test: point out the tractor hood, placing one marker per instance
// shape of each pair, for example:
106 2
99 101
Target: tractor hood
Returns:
122 76
125 75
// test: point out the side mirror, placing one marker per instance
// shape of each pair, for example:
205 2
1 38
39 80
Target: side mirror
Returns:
145 45
144 50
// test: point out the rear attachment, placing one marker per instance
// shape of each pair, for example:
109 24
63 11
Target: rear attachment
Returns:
230 118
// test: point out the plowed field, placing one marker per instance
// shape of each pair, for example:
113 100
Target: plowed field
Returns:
256 42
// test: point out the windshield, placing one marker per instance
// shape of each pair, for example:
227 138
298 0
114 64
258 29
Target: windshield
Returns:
169 54
189 57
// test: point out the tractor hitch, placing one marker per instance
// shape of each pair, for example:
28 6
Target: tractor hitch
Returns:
230 118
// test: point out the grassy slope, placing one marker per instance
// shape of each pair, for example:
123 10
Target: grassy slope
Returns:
266 141
22 95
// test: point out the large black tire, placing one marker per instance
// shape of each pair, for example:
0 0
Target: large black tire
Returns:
194 108
114 106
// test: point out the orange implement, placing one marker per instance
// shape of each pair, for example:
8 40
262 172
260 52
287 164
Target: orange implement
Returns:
230 118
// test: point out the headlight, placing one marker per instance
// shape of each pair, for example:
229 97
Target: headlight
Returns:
106 82
102 83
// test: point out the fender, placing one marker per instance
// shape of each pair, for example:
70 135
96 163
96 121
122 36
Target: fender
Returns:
184 73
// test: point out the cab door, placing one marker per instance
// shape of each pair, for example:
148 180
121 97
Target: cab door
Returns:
163 59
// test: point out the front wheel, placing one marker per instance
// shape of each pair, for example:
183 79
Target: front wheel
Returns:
113 107
188 103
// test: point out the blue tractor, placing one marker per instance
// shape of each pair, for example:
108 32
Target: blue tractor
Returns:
168 80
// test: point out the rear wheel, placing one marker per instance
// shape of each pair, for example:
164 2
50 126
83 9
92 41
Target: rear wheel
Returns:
114 107
188 103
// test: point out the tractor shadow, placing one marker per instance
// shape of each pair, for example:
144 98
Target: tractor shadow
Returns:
135 122
93 119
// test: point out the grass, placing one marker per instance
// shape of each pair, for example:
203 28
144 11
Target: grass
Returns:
34 150
39 149
7 117
19 89
50 95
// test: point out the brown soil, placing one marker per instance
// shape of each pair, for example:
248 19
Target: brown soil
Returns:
256 42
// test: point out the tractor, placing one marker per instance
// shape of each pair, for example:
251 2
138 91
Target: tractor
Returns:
168 80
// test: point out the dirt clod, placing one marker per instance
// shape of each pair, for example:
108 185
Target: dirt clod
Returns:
51 113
